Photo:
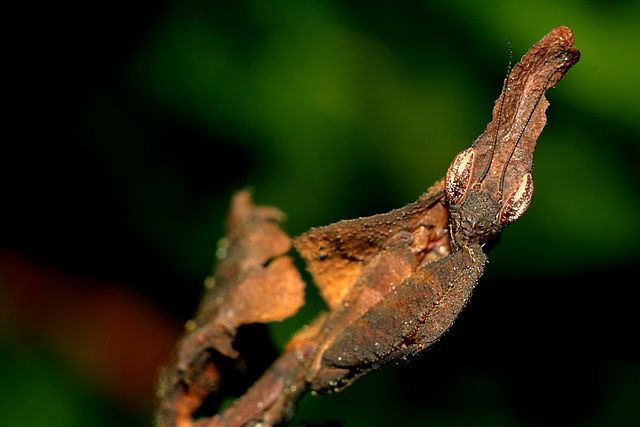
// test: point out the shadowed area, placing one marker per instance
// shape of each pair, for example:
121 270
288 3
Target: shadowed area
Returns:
130 125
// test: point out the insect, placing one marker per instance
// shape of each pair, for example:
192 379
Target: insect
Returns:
412 286
393 283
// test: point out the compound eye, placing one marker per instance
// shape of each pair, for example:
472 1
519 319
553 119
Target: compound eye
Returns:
518 201
459 175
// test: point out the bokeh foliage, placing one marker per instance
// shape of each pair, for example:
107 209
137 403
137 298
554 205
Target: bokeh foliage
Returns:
333 110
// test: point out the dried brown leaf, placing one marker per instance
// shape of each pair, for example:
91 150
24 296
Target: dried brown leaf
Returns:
254 283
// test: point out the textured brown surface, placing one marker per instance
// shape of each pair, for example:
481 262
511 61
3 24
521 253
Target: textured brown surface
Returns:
499 159
254 283
335 254
394 282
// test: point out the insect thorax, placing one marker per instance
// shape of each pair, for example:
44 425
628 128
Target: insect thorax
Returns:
475 220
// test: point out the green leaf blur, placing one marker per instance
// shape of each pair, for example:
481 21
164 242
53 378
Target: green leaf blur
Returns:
332 110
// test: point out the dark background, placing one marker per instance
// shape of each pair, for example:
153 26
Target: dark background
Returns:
130 125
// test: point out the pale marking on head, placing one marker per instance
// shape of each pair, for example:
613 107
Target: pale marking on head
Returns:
459 175
518 202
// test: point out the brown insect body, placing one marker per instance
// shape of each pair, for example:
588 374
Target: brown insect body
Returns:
404 241
394 283
399 306
489 185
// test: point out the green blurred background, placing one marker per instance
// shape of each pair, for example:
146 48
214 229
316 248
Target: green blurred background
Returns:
131 125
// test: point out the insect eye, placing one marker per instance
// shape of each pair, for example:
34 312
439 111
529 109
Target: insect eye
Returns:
518 201
459 175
